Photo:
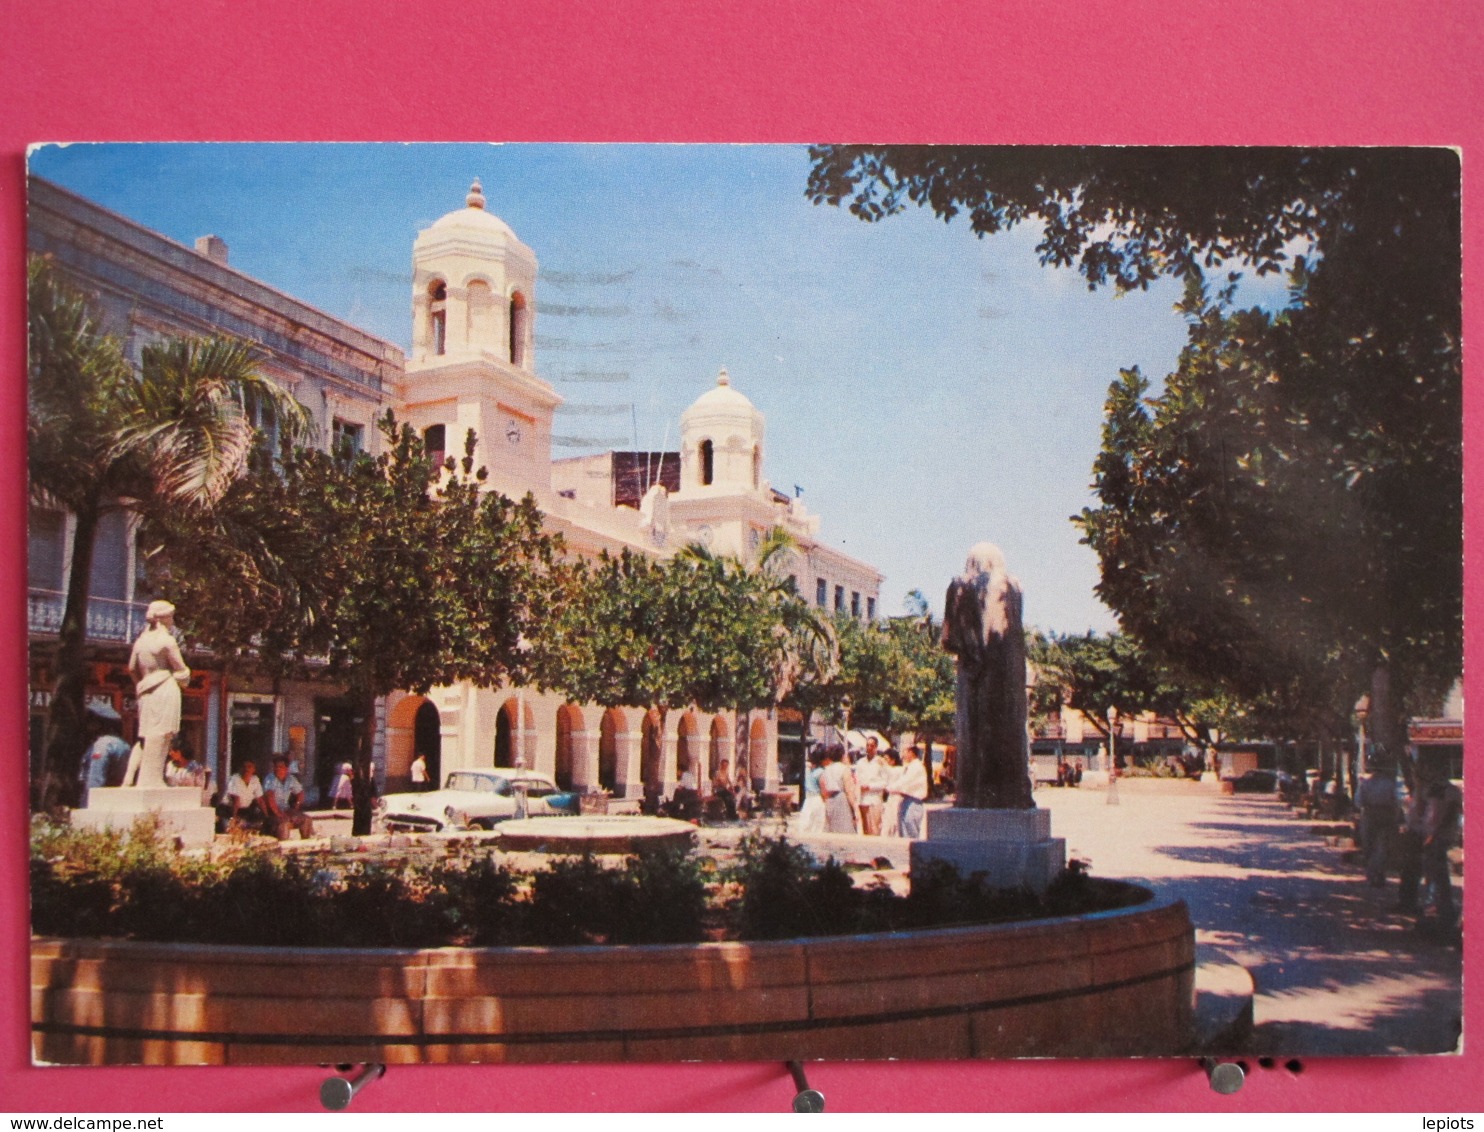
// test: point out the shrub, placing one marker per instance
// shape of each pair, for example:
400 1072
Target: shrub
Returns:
482 906
87 882
135 885
787 893
942 897
668 900
265 900
659 896
575 900
379 906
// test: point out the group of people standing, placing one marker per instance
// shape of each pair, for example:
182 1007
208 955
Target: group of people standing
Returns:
878 793
1416 836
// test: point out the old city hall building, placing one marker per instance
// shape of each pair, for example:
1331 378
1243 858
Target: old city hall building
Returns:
472 365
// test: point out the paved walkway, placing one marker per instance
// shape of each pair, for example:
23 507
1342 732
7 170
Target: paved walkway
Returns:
1337 972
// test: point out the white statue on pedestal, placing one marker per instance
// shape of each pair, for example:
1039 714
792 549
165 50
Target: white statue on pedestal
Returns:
159 673
654 514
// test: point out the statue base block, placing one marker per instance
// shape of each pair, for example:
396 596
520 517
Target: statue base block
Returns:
1011 848
179 809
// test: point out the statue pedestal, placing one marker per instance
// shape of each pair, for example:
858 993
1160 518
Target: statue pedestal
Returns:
1012 848
179 808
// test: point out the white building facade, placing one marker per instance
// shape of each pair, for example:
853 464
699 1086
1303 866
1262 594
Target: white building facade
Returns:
472 366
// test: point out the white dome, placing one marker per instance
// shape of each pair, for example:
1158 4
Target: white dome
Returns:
473 218
721 442
723 398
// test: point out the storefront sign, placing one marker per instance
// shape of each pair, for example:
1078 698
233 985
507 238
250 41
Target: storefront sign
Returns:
1436 731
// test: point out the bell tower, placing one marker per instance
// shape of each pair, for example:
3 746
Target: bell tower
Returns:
721 444
473 363
473 289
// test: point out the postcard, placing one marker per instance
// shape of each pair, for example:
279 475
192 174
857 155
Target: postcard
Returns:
560 603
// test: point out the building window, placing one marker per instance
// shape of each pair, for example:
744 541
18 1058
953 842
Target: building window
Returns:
518 317
708 463
433 444
870 609
263 419
821 592
839 599
438 315
757 466
111 553
143 591
345 437
855 603
44 549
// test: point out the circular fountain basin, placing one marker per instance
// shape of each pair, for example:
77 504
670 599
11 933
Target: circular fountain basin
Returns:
615 833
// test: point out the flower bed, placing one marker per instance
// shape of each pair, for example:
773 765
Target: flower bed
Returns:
1098 983
133 886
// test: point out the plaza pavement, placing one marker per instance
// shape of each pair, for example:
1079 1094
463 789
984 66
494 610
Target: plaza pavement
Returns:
1336 971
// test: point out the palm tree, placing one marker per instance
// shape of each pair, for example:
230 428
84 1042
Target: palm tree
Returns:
808 653
174 433
810 649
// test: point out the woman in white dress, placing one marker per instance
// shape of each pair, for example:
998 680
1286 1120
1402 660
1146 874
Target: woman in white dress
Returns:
892 812
811 814
834 788
341 788
159 674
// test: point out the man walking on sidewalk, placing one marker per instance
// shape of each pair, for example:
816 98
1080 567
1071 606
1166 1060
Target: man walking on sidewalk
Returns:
1376 800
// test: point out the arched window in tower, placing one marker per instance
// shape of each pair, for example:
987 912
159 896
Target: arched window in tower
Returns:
438 316
518 317
433 444
481 303
757 466
708 463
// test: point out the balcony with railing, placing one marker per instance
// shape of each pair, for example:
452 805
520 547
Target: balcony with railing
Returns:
108 618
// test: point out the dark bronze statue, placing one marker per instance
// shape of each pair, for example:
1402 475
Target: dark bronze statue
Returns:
982 627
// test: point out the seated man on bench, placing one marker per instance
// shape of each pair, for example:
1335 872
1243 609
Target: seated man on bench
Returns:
242 800
283 800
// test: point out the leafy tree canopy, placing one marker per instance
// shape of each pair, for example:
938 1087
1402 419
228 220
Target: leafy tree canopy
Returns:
1106 678
697 629
386 571
1306 467
894 675
368 566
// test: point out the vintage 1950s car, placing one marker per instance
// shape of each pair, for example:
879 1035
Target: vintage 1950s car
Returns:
475 799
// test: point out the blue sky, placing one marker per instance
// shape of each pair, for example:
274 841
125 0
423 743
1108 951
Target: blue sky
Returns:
925 388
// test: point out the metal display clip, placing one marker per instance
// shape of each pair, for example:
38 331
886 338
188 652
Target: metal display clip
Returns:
806 1099
336 1093
1226 1077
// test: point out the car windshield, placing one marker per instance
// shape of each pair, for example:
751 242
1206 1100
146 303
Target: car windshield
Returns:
478 783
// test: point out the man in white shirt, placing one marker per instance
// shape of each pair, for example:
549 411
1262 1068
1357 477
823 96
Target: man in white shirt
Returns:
870 776
242 800
913 787
686 804
282 797
420 777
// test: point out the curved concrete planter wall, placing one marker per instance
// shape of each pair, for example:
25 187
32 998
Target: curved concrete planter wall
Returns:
1118 982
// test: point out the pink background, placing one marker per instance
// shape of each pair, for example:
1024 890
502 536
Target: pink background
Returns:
1110 71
